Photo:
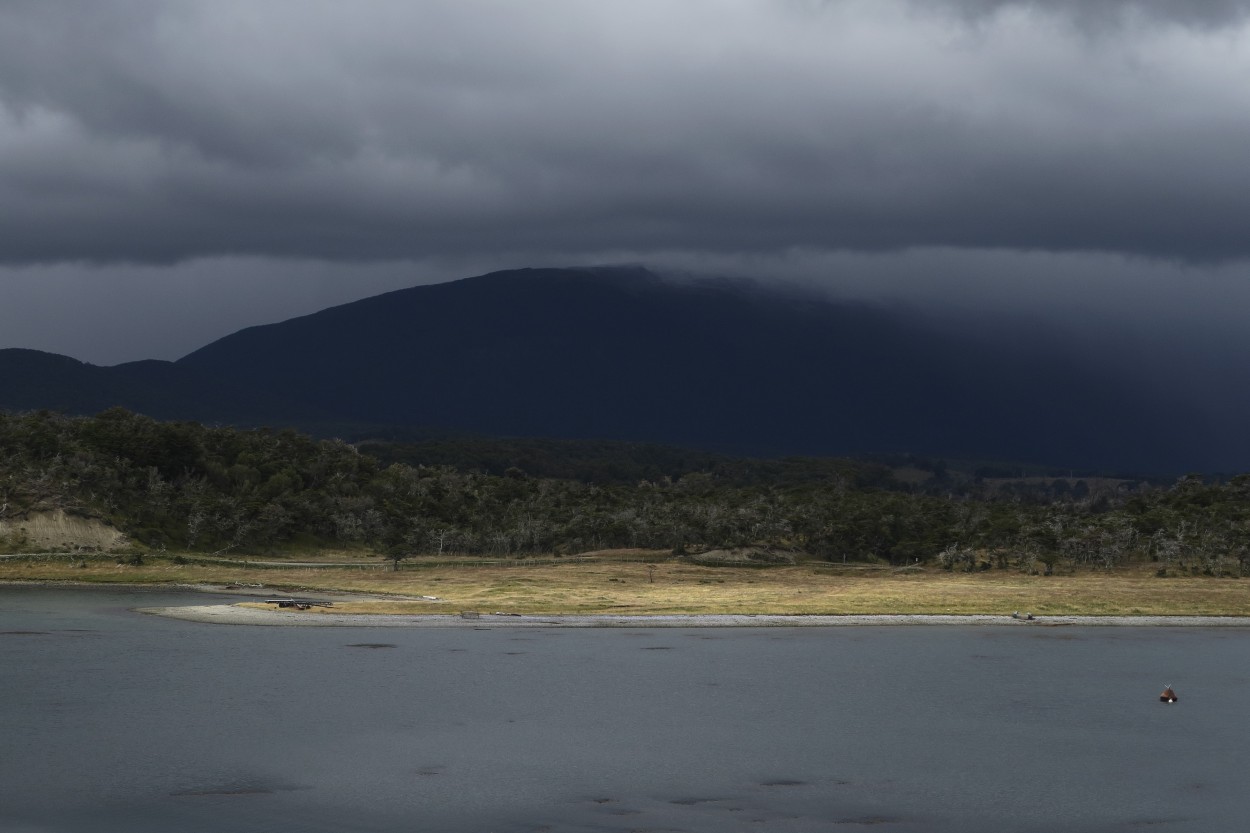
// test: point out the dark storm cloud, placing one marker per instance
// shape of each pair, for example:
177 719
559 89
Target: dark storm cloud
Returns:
1201 13
165 131
172 171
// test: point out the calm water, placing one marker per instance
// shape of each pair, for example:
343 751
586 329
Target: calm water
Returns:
115 721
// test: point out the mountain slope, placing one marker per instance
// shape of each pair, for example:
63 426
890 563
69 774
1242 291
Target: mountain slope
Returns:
34 380
620 353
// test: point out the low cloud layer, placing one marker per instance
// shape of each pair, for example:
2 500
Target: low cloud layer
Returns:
146 131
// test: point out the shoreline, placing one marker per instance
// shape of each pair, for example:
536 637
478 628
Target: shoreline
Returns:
232 615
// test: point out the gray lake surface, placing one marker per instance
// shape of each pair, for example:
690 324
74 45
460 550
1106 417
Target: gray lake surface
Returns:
111 720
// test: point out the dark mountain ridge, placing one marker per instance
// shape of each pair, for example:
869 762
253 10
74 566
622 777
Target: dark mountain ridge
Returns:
619 353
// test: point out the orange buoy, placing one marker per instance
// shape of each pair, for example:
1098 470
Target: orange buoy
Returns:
1168 695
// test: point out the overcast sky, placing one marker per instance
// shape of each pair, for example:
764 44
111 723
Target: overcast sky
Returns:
173 170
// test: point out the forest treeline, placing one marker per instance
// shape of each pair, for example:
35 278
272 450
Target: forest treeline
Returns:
183 486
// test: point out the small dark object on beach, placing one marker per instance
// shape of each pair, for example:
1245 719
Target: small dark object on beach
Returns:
299 604
1028 617
1168 696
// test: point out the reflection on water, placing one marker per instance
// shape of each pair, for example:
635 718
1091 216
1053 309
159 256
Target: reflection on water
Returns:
115 721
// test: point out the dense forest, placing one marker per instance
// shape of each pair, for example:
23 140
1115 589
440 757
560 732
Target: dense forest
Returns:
186 487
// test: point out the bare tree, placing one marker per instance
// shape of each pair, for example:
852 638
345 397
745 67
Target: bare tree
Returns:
441 538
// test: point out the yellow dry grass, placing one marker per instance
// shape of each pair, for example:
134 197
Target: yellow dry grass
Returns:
626 587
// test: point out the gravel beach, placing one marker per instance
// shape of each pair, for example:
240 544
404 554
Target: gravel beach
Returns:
233 615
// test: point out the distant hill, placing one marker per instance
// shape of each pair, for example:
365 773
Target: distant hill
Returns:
619 353
33 380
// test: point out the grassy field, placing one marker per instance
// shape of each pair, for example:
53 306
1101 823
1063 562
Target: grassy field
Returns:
626 585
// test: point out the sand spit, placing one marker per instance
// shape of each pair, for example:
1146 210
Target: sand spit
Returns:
231 615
